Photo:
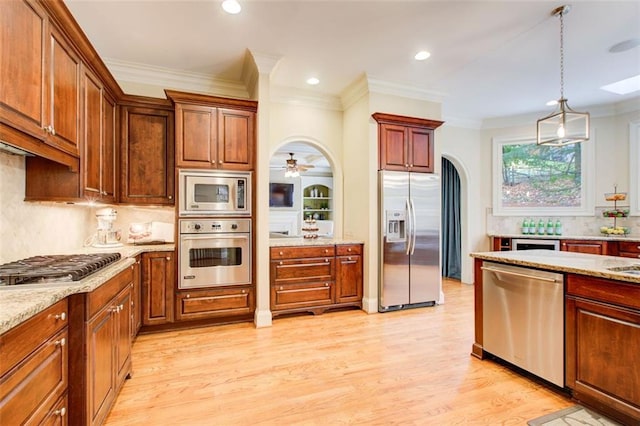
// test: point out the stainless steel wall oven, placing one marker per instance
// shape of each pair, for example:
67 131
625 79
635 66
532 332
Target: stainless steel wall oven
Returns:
214 252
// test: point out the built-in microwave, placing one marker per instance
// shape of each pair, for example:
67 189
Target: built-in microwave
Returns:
216 193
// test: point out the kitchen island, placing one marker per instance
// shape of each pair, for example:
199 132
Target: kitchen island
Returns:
601 323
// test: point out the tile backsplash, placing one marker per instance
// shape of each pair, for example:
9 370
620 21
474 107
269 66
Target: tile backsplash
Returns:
571 225
34 228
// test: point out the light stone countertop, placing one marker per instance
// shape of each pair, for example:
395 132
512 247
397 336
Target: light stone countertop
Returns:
299 241
562 261
20 302
568 237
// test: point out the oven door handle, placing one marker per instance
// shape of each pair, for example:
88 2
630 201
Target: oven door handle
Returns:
215 237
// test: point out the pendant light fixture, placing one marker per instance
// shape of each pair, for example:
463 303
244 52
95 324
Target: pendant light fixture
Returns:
565 126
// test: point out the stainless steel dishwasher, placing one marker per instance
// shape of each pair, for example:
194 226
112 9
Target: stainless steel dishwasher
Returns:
523 318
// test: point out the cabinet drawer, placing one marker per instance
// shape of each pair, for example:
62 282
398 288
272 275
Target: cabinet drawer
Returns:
214 303
629 247
291 296
348 249
303 269
23 339
57 416
99 297
616 292
29 392
301 252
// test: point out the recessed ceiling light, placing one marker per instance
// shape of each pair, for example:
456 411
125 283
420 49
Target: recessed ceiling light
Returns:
552 102
623 87
422 55
623 46
312 81
231 6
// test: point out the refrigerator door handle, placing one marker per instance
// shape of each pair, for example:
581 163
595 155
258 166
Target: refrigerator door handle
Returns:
413 226
409 231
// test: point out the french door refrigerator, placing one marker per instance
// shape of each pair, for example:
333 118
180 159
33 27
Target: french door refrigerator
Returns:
409 240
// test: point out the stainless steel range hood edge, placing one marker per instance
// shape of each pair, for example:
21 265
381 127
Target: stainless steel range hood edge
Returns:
14 150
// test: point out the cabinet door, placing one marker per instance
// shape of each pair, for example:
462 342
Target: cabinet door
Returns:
158 283
136 299
108 157
583 246
101 364
92 134
122 338
348 279
196 136
23 31
420 148
602 359
63 107
393 147
235 139
147 166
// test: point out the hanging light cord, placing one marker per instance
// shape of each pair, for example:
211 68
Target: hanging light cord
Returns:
562 54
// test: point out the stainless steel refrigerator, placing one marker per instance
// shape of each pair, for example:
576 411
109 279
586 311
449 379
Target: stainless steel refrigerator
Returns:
409 240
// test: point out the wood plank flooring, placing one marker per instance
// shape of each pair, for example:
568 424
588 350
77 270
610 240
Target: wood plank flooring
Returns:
409 367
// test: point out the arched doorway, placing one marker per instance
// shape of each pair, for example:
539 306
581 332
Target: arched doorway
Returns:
451 221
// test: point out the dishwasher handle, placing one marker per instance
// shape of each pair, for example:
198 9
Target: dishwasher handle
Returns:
517 274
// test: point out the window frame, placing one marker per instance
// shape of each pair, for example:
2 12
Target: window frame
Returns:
634 168
587 204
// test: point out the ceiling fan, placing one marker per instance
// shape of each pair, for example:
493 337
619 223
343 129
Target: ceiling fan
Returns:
293 169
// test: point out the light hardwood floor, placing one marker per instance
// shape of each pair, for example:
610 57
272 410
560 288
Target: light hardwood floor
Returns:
409 367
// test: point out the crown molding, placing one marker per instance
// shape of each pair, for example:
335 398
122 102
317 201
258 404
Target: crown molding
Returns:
465 123
354 92
170 78
405 91
294 96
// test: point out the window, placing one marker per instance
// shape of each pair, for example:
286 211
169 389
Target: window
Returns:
530 179
634 166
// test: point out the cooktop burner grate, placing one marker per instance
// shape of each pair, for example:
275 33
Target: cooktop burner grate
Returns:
54 268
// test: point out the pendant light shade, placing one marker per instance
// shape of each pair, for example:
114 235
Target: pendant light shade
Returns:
564 126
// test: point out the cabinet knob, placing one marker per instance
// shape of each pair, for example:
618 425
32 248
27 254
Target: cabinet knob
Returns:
170 197
61 412
326 261
406 165
280 253
638 247
349 258
280 288
188 296
168 257
219 161
244 291
60 342
281 262
326 250
349 249
326 284
61 317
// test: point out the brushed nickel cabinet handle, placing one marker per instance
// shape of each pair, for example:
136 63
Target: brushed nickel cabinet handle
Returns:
61 317
281 262
244 291
188 296
170 197
349 249
60 342
326 284
61 412
168 257
280 253
280 288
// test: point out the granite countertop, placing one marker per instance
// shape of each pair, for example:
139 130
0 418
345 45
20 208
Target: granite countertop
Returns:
20 302
299 241
562 261
568 237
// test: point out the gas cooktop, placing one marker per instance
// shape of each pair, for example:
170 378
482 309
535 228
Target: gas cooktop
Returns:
54 268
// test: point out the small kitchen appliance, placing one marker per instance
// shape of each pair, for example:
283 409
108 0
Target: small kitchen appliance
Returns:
214 193
106 236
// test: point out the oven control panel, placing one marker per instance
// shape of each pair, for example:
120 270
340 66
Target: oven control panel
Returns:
209 226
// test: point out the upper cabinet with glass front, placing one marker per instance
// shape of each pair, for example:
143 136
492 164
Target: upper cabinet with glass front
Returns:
405 143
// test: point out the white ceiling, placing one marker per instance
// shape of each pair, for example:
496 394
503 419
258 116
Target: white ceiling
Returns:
489 58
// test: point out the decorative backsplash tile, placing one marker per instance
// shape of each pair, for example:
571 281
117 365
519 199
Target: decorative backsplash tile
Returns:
34 228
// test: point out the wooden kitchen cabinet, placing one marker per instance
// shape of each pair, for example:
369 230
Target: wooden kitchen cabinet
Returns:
100 359
349 273
50 181
584 246
158 288
39 96
33 369
315 278
629 249
602 340
147 152
228 302
136 297
214 132
405 143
